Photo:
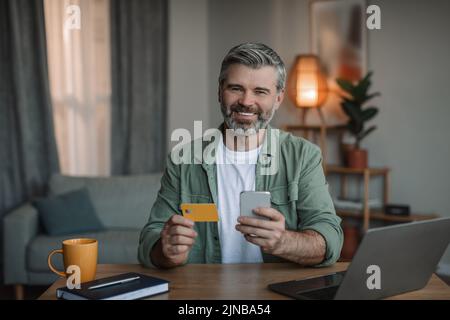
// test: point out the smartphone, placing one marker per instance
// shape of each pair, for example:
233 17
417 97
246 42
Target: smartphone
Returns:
250 200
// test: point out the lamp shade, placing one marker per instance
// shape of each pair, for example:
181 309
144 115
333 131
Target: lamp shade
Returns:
307 86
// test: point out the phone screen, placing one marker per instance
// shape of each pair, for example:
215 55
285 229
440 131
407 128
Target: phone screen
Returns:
250 200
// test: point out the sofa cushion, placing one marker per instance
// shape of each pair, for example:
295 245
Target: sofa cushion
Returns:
66 213
115 246
120 201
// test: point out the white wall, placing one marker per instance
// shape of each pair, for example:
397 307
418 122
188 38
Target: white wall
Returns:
280 24
188 64
409 57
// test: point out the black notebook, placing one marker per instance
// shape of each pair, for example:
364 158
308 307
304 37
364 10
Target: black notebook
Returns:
127 286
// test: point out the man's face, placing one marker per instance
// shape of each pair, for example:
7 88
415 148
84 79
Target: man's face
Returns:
249 98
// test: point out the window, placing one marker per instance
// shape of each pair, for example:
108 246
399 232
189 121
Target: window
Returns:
80 87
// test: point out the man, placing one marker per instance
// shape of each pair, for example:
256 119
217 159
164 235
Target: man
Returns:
302 225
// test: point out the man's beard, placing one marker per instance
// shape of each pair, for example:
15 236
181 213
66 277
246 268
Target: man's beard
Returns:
247 128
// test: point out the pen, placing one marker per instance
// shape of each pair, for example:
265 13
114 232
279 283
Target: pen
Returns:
113 283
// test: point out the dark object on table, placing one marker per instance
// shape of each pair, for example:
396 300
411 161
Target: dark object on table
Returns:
397 209
128 286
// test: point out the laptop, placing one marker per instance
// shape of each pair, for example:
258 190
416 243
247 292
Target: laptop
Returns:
389 261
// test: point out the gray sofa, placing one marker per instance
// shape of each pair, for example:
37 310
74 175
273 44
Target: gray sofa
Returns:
122 203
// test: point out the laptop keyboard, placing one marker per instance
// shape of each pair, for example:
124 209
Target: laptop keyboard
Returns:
327 293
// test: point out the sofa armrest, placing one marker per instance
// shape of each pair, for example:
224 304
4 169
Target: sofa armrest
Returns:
19 227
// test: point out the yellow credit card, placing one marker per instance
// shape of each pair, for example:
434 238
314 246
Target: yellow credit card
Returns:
200 212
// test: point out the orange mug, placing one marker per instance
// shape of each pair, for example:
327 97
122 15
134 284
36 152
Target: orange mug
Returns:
79 252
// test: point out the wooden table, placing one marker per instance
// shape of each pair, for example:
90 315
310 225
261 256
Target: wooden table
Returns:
239 281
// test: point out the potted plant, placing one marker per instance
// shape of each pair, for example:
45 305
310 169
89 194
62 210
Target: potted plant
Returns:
354 97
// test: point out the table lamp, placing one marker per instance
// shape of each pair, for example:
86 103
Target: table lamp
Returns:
307 88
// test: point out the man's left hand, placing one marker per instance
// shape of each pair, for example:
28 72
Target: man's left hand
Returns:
269 235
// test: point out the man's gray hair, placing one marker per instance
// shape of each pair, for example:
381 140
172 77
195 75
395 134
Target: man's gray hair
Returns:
254 55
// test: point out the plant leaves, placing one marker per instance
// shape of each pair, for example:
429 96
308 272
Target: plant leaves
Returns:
355 127
366 133
345 85
352 110
347 100
367 98
367 77
362 87
369 113
365 83
352 105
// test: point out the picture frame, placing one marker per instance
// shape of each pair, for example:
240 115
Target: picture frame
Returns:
339 38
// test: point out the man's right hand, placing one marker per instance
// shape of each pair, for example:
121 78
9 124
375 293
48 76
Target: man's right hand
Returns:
177 238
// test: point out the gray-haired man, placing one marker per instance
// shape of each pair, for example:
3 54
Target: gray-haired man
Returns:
302 226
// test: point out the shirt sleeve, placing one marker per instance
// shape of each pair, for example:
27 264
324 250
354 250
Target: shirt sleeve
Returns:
166 205
315 206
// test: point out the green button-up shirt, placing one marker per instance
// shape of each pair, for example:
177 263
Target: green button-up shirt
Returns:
289 167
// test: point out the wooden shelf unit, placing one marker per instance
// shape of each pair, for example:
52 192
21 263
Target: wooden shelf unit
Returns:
381 216
322 132
366 174
344 170
366 214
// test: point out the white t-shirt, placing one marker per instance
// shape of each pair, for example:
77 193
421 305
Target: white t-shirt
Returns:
235 173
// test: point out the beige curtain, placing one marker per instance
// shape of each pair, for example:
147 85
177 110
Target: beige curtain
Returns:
79 72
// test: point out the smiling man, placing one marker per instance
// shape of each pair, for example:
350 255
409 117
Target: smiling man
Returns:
301 226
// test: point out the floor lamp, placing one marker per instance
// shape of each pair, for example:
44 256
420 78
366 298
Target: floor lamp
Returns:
307 88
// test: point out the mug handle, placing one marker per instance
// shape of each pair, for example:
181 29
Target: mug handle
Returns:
49 261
